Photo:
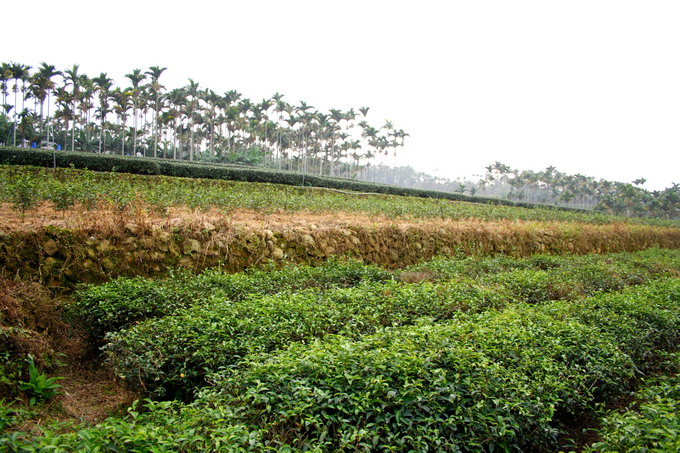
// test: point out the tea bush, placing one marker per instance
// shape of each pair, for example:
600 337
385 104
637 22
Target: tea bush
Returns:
146 166
173 354
152 427
630 266
161 192
125 301
652 425
494 380
641 319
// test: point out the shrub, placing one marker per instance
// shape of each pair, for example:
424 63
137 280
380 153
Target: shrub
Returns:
650 425
492 382
489 381
125 301
641 319
173 354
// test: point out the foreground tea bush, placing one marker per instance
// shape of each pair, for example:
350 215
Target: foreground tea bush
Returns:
640 319
494 381
172 355
156 427
491 381
125 301
652 425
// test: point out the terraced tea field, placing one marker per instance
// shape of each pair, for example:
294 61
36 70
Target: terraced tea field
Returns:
257 317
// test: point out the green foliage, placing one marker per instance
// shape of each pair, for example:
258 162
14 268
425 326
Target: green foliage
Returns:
62 195
173 354
9 415
161 192
11 359
496 380
23 193
219 318
151 427
629 267
125 301
651 425
543 277
39 386
147 166
641 319
488 380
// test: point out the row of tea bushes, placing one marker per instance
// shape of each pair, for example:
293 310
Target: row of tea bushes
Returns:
125 301
64 188
174 353
500 380
171 356
651 424
626 264
146 166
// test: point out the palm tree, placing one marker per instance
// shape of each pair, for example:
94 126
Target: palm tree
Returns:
136 77
64 114
5 76
122 107
176 101
280 107
43 88
155 73
212 100
73 78
190 110
103 85
18 71
87 92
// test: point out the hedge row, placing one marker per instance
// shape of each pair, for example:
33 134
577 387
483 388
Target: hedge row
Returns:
495 381
220 332
652 260
171 356
124 301
651 424
149 166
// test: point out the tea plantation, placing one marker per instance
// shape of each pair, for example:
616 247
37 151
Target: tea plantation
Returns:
331 337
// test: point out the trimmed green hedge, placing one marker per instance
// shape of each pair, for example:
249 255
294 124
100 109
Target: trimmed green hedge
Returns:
495 381
124 301
172 355
651 424
150 166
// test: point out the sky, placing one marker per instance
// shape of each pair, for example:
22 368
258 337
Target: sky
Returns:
590 87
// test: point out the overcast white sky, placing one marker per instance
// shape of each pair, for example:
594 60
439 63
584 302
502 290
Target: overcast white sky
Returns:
589 86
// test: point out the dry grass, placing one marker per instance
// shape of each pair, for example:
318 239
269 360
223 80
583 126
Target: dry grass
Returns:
93 246
90 391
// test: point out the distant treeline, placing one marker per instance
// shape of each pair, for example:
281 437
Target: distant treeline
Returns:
549 186
69 110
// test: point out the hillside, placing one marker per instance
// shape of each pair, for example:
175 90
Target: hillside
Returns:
270 317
